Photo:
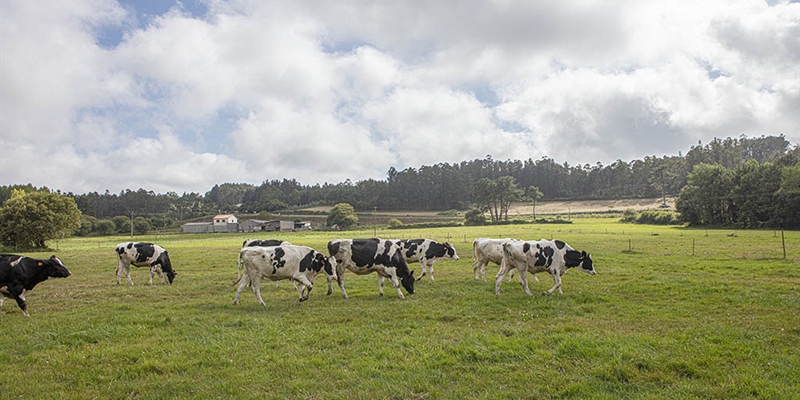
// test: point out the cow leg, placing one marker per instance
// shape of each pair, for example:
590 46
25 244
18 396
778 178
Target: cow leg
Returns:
431 268
556 285
380 285
305 286
498 280
3 294
124 268
243 282
475 268
339 279
255 284
523 279
18 294
396 283
424 269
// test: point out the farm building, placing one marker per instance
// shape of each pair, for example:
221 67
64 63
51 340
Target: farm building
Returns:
229 223
252 225
198 227
220 223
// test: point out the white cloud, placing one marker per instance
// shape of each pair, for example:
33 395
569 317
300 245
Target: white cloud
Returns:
326 91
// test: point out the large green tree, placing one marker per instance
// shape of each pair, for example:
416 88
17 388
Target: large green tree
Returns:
343 215
706 199
497 195
27 220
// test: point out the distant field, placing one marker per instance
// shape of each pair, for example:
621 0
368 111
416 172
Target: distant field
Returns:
558 206
672 313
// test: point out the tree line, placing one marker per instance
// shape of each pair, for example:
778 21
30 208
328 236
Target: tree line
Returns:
741 178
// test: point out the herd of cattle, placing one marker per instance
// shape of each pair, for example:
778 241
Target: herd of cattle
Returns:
278 260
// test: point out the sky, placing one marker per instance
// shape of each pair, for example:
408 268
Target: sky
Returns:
177 96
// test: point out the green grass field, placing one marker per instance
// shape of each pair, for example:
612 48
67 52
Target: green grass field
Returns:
657 321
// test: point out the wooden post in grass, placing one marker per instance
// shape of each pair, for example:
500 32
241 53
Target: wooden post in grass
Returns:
692 247
783 243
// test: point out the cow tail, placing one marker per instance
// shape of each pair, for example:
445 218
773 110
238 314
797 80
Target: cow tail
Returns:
238 270
474 250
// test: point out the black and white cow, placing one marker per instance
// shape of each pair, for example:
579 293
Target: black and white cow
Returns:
257 243
365 256
553 256
263 243
141 254
426 252
298 263
20 273
485 250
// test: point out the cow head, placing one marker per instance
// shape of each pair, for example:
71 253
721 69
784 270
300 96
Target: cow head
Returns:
451 251
581 261
328 265
586 263
166 267
408 282
54 268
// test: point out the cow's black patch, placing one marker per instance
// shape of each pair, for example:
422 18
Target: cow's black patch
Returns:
264 243
278 261
526 247
560 244
333 248
544 257
411 247
435 250
365 252
573 258
307 263
144 251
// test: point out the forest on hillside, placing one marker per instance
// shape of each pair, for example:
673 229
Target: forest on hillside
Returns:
447 186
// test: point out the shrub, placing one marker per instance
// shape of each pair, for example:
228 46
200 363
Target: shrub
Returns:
629 216
651 217
474 217
105 227
395 223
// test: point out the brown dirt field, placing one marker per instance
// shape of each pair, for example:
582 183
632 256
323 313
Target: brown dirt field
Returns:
552 207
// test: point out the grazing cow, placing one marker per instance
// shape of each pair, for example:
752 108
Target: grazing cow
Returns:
298 263
141 254
485 250
257 243
19 274
427 252
365 256
553 256
263 243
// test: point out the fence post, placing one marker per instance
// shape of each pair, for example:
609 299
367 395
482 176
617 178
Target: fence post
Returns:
783 243
692 247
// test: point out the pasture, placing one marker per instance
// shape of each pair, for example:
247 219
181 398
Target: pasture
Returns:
657 321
